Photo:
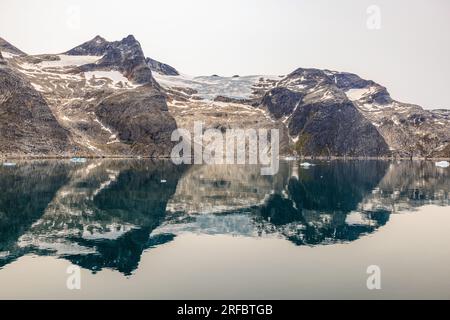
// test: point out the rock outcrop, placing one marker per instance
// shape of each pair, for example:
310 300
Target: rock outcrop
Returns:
161 68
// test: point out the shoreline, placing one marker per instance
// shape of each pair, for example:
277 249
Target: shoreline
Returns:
283 157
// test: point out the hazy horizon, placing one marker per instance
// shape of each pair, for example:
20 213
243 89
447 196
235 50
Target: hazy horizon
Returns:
408 54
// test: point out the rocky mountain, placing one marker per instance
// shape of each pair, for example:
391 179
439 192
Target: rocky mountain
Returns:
109 99
102 94
321 120
121 53
125 56
318 112
408 129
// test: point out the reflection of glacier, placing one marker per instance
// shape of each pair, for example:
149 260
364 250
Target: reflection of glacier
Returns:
105 213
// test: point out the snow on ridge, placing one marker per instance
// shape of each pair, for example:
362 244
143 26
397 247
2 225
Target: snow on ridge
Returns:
69 61
8 55
357 94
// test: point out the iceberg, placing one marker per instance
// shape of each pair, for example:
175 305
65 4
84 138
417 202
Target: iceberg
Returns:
442 164
78 160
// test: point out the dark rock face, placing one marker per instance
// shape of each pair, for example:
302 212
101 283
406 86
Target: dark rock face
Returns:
161 68
125 55
7 47
27 126
142 119
335 128
281 101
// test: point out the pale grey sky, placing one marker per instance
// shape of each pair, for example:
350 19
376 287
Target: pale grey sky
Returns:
409 54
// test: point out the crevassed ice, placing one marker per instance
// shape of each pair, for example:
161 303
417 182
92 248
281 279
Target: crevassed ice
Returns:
209 87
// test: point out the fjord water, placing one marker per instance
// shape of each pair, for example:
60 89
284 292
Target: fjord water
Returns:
141 229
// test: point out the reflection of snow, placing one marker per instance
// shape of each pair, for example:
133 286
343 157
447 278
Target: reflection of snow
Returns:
108 232
233 224
358 218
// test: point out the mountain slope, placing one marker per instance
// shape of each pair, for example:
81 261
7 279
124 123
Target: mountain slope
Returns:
109 104
27 125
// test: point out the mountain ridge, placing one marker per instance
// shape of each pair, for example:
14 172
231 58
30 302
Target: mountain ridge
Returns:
97 89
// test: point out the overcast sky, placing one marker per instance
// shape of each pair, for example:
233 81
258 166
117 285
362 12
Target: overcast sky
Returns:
409 53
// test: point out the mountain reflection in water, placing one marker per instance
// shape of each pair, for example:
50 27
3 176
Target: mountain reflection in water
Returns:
105 213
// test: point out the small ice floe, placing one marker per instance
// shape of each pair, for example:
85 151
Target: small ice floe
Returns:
163 181
442 164
306 164
9 164
78 160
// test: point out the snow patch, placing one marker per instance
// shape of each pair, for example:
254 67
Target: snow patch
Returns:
115 76
69 61
8 55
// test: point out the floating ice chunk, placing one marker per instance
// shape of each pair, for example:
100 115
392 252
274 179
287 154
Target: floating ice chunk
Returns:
306 164
442 164
78 160
9 164
163 181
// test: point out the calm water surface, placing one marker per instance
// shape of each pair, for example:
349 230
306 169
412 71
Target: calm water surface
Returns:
144 229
